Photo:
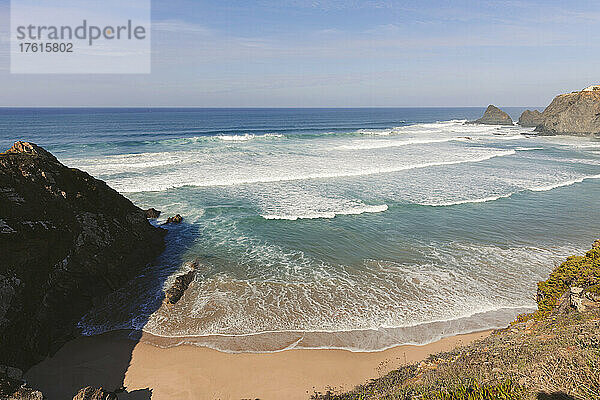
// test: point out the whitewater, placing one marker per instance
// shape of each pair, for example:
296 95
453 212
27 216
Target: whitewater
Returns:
358 229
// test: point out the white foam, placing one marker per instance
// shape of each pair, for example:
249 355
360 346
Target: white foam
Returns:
458 202
331 214
455 288
360 145
286 176
545 188
528 148
507 137
377 132
247 136
541 188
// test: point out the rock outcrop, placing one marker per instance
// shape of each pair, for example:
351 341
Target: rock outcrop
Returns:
66 238
494 116
530 119
94 393
152 213
177 219
12 386
575 113
174 293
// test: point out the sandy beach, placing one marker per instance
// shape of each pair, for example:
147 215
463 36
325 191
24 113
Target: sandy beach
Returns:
191 372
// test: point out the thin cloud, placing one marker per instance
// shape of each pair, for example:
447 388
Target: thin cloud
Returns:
179 26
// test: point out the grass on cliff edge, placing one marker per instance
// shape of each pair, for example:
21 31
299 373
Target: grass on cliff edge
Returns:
553 353
579 271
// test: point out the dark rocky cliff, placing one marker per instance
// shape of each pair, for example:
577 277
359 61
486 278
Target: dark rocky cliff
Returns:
66 238
575 113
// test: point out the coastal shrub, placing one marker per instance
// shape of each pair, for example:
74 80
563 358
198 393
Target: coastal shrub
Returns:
581 271
474 391
523 318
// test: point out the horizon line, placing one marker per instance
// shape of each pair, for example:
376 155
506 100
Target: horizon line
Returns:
251 107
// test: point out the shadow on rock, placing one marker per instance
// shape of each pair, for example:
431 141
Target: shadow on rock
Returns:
101 361
554 396
71 244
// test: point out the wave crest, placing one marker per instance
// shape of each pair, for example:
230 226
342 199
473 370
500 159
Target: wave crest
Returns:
330 214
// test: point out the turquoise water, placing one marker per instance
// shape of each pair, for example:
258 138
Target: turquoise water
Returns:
356 228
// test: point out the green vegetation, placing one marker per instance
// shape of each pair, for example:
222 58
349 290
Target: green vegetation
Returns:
473 391
553 353
580 271
468 390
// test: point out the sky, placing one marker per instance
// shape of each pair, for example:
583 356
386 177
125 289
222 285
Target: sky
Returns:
340 53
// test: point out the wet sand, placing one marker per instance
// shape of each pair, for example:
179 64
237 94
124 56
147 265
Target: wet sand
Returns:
199 373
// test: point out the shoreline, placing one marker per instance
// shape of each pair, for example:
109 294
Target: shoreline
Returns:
188 371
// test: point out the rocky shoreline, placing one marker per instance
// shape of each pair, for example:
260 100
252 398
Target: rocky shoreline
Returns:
66 239
576 113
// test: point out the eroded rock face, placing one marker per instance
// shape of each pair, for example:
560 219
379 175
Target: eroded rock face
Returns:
530 118
572 114
65 239
494 116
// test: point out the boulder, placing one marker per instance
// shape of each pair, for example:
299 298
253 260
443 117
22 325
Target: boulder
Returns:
182 282
94 393
152 213
576 298
66 239
575 113
530 119
12 386
494 116
177 219
25 393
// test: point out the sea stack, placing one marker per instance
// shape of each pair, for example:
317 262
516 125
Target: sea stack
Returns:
66 238
494 116
530 119
576 113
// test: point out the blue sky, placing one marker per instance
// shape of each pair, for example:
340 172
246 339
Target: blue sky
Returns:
337 53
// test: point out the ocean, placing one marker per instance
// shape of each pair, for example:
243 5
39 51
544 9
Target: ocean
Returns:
358 229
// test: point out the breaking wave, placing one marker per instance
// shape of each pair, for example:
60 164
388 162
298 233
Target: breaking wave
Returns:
331 214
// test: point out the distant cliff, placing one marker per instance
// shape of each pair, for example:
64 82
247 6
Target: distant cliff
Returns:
575 113
530 118
65 238
493 116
